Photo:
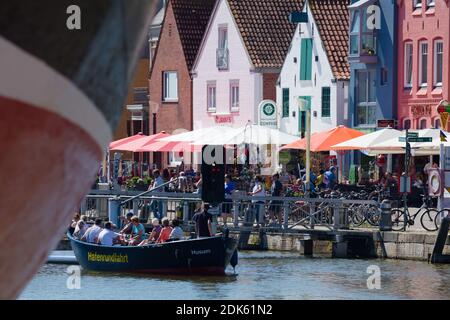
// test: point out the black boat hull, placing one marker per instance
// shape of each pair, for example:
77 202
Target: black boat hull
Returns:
205 256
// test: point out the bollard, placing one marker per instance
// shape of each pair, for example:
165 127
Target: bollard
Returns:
286 213
163 205
312 209
386 220
186 212
114 210
337 216
236 207
136 208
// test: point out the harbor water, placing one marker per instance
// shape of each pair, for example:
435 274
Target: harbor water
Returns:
259 275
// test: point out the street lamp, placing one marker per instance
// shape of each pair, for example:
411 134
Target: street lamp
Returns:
303 105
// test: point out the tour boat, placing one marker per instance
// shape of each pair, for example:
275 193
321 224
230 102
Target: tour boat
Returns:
64 73
205 256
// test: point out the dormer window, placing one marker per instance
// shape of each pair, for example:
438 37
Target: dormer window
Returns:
363 34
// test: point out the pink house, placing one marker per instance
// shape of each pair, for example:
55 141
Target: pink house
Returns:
240 59
423 60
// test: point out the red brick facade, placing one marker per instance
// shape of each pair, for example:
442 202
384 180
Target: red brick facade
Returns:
170 57
269 86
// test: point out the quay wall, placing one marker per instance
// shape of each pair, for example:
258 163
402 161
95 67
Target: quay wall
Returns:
390 245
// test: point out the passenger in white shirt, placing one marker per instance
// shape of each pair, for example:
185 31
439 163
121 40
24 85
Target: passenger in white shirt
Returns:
92 233
177 232
107 237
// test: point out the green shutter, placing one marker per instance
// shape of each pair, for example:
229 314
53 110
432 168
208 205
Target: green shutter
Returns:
326 102
306 59
285 102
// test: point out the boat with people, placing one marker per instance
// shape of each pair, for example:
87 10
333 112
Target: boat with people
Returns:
205 256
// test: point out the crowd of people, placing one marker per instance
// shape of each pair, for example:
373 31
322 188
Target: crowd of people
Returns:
131 234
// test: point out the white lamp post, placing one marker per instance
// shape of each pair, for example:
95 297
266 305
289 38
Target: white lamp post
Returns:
304 105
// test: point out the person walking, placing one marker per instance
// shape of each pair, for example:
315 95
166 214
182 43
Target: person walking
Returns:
259 191
275 205
155 205
230 187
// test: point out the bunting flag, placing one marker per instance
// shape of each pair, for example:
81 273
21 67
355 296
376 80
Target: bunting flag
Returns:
65 66
443 136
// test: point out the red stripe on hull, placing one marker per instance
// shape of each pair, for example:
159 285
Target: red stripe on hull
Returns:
47 166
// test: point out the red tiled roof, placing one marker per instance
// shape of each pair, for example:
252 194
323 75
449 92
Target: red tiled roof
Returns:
332 20
192 18
265 28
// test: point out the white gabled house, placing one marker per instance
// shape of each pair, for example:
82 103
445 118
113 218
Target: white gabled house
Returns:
316 69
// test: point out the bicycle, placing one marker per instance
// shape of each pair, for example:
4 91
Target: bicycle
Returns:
427 219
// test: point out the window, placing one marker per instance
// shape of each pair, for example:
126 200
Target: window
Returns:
354 33
438 62
170 86
306 59
408 64
211 96
423 124
222 50
423 64
417 4
363 37
234 95
437 123
406 124
365 97
430 3
223 37
326 102
368 37
285 102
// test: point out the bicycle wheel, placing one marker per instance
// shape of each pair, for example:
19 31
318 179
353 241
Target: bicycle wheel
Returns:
357 217
398 219
438 218
373 216
428 220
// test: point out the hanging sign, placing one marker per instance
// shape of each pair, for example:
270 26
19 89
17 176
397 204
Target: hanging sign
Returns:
267 114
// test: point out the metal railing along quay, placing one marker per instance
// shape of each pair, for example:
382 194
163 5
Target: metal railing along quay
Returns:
243 211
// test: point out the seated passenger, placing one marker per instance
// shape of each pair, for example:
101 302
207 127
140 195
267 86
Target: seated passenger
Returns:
74 222
154 235
177 232
137 233
107 237
80 229
91 234
128 225
165 232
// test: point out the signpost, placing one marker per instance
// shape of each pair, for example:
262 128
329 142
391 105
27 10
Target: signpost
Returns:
267 114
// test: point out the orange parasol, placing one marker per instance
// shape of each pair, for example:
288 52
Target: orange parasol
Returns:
323 141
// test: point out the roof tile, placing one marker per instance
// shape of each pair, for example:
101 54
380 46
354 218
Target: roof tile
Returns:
332 20
192 18
265 28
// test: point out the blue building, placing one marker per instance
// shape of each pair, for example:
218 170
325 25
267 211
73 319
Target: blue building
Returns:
372 59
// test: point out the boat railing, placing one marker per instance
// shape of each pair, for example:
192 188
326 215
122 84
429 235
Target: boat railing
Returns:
242 211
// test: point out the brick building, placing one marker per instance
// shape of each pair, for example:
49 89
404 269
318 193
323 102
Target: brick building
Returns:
170 84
